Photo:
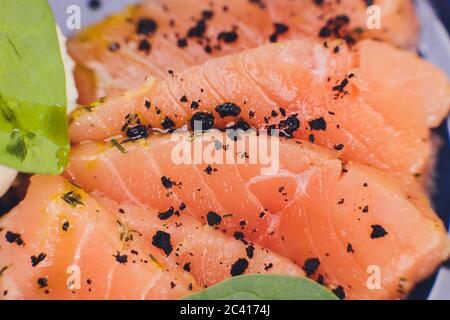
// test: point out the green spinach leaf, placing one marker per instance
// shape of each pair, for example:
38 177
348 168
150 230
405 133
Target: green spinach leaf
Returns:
264 287
33 123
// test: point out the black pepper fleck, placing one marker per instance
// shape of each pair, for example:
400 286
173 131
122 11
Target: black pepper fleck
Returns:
213 218
310 266
228 109
377 232
239 267
161 240
202 121
36 260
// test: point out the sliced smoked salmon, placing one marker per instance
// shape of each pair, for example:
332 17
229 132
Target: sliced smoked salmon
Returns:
161 36
59 243
122 251
372 110
208 254
342 222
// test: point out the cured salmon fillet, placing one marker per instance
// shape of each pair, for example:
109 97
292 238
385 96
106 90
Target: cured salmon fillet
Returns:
208 254
59 231
376 111
161 35
121 265
339 221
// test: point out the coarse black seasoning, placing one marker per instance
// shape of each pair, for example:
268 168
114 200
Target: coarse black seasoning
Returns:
377 232
137 132
198 30
161 240
187 266
280 28
268 266
42 282
167 123
336 27
239 267
145 46
238 235
339 292
213 219
227 36
195 105
209 170
146 26
12 237
318 124
321 280
36 260
182 43
65 225
166 214
123 259
310 266
167 183
250 250
202 121
289 126
350 248
341 86
228 109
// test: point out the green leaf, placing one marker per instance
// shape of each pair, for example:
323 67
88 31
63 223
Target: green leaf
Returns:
264 287
33 122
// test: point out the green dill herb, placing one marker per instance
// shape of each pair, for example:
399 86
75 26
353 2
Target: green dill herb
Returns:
125 234
73 198
116 144
358 30
3 269
153 258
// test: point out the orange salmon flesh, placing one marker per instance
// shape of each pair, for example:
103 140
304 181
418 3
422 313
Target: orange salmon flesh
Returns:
116 251
375 111
162 36
347 216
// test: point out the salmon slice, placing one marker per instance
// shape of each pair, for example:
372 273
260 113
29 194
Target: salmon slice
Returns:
59 236
339 221
161 35
375 111
208 254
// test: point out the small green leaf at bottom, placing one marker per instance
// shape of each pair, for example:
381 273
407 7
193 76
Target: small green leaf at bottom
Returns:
264 287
